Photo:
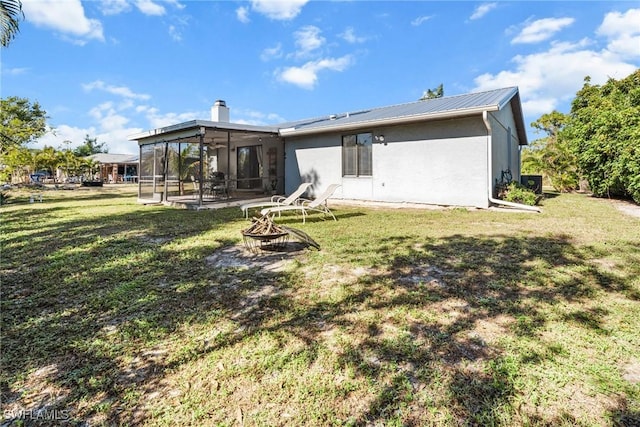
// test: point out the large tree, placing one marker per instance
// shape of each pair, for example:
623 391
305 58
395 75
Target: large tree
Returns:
604 134
437 92
90 146
551 156
18 163
10 15
21 122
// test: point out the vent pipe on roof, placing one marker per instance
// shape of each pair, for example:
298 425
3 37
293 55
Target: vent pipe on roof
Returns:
220 112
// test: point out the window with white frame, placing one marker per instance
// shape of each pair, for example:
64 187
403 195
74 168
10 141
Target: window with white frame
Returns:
356 154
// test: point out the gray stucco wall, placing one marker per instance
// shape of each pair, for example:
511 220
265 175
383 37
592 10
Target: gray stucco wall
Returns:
438 162
505 152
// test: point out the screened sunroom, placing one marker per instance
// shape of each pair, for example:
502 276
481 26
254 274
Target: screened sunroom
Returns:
200 162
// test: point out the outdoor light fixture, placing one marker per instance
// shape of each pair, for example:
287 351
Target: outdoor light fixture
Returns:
380 138
202 131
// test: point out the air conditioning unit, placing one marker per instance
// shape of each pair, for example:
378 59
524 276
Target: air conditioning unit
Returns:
532 182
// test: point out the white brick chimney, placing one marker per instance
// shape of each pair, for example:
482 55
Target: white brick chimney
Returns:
220 112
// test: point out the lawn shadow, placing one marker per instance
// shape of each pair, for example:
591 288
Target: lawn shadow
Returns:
470 284
106 285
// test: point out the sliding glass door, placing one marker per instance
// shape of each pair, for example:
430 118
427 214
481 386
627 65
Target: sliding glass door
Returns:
250 167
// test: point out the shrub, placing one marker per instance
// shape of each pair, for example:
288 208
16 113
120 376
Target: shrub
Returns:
518 193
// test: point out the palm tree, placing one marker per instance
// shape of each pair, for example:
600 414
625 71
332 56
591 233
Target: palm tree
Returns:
10 15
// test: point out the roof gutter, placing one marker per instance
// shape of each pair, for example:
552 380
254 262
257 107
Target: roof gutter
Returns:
485 119
192 129
387 122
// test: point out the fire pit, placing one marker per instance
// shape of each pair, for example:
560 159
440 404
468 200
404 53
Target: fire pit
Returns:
264 234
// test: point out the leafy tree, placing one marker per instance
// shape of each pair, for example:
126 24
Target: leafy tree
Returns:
87 167
438 92
551 156
18 163
604 134
182 162
90 146
20 122
10 14
48 159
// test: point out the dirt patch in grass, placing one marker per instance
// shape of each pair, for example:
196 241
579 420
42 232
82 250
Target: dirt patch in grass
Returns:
38 394
628 208
237 256
631 372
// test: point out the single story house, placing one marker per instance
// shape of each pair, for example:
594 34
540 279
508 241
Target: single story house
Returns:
443 151
116 168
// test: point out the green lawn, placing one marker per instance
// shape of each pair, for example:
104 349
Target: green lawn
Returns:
114 314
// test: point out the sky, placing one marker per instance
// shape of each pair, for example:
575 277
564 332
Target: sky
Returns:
112 68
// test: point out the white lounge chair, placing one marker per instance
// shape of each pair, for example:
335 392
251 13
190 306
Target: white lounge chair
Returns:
319 204
277 200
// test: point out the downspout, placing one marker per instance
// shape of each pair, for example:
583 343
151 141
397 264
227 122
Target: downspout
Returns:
485 118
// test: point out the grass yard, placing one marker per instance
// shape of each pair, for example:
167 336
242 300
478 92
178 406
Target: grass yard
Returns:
113 313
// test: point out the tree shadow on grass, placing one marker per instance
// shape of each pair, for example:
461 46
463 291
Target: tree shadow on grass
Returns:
474 281
78 315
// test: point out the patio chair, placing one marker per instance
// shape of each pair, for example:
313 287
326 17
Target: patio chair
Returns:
319 204
277 200
219 185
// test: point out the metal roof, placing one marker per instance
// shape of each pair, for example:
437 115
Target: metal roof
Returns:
430 109
437 108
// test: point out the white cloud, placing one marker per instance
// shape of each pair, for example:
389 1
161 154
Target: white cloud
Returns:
175 33
148 7
306 76
114 90
14 71
541 29
242 13
69 20
257 118
271 53
114 7
117 140
349 36
482 10
281 10
420 20
100 110
547 79
63 133
158 120
308 39
623 32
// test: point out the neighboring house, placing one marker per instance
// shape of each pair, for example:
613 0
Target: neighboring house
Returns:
116 168
444 151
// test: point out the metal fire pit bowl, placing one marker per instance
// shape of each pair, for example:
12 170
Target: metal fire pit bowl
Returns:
269 242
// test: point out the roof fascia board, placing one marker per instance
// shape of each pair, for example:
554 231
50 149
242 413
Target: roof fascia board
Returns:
390 121
508 98
513 98
169 136
516 107
192 128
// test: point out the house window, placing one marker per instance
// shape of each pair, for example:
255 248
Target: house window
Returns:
356 154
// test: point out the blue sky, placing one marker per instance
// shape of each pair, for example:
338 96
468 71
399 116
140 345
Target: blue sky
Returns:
113 68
